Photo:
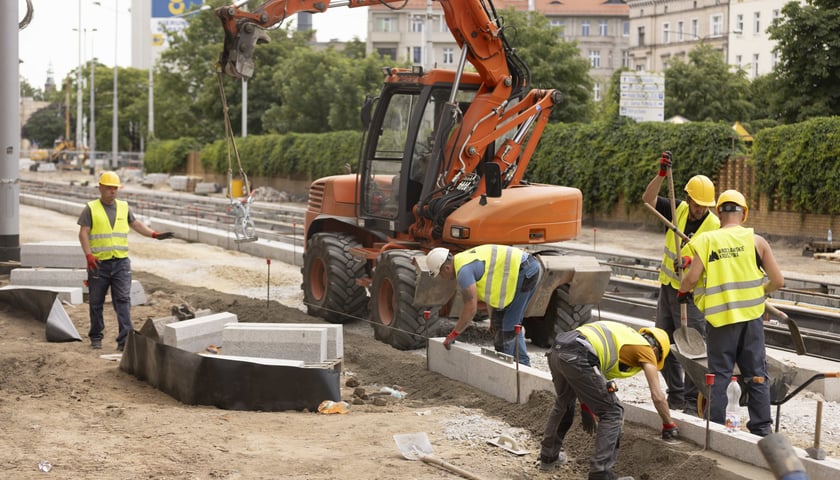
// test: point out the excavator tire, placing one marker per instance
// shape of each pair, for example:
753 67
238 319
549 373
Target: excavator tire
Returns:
329 276
395 320
560 316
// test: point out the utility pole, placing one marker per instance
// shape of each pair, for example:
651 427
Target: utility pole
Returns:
9 138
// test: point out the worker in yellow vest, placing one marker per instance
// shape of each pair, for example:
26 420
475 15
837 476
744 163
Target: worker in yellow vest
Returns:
724 270
501 276
583 364
693 217
103 233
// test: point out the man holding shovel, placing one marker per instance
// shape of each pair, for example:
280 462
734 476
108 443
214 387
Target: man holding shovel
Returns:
692 216
725 273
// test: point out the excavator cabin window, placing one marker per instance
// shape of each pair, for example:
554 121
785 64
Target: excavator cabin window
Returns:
406 130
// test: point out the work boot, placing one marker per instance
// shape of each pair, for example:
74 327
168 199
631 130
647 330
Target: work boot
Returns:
120 347
96 344
675 403
547 464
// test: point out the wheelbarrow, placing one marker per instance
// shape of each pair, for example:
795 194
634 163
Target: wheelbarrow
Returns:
781 381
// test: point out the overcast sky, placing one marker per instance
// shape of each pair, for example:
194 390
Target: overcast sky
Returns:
52 40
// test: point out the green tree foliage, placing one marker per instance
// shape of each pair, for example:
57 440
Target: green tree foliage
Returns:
809 59
45 126
27 90
797 165
132 108
705 89
554 63
608 161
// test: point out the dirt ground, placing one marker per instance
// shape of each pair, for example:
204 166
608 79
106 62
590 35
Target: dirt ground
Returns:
64 404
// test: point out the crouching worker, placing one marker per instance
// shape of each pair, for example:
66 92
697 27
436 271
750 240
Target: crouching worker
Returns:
583 363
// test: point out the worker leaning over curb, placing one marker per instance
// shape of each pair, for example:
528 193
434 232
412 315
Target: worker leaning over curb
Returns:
503 277
103 234
583 363
724 270
693 217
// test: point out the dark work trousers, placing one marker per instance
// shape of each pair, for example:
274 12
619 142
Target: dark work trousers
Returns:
116 275
575 374
742 344
681 390
505 321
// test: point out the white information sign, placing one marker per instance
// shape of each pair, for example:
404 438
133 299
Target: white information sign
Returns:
642 96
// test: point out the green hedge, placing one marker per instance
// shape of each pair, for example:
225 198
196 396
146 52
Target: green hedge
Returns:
798 165
169 155
607 161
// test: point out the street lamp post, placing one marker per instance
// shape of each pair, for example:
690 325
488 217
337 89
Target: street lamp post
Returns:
79 85
92 132
114 117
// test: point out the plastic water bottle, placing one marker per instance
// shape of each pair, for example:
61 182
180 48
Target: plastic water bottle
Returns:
733 408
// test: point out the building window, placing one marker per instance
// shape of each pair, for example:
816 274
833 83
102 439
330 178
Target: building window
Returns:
695 28
596 92
739 61
640 68
625 29
417 54
385 24
680 31
602 28
584 28
717 25
755 65
641 36
625 59
595 58
739 23
387 52
561 24
757 23
776 13
448 56
666 33
417 23
774 60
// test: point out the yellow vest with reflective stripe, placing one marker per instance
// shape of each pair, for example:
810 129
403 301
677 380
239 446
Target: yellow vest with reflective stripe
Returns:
106 242
607 338
667 276
731 289
497 286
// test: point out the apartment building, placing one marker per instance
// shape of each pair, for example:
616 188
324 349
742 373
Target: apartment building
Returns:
751 47
418 32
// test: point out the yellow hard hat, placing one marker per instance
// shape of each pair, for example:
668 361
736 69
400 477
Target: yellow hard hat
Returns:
661 337
435 259
733 196
109 179
701 190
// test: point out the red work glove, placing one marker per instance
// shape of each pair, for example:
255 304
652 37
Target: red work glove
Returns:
449 339
665 162
92 262
162 235
682 263
670 431
589 421
684 297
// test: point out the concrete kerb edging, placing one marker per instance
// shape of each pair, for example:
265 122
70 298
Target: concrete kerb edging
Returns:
465 363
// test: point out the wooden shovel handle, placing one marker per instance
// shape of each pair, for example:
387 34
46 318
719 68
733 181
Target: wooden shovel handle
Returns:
448 466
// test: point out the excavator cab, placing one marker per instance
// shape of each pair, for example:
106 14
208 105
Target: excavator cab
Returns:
401 158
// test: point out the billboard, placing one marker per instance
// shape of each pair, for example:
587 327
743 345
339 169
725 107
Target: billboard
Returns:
166 18
642 96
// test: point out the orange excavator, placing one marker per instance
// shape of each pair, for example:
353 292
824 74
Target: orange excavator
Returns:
442 164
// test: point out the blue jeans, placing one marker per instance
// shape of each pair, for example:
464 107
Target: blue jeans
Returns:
506 320
116 275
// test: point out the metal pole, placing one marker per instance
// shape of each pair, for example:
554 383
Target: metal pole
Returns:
9 136
115 104
244 108
79 86
151 99
92 127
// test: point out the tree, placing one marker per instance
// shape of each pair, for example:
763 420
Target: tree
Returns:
45 125
809 59
553 62
705 89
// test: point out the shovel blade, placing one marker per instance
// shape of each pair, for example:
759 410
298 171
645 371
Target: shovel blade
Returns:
796 337
413 446
690 343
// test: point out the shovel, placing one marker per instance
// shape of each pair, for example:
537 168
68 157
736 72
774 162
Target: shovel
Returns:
689 341
795 336
416 446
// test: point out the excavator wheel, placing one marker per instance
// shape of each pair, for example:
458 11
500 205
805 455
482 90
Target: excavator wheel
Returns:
329 275
395 320
560 316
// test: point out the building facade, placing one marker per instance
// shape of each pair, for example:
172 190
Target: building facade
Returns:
418 33
752 48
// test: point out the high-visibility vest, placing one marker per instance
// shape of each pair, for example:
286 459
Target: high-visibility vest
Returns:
667 275
497 286
607 338
731 289
106 242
